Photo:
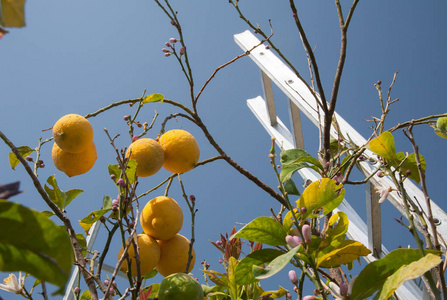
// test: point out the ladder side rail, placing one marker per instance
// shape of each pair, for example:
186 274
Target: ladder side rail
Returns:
357 227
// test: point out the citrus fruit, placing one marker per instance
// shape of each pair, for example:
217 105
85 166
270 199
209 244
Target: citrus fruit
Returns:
73 164
441 127
162 218
73 133
180 286
149 255
148 154
174 256
181 151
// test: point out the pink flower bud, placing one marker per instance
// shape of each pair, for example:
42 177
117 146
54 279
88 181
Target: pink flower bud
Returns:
218 243
165 50
267 47
168 45
42 165
309 297
182 50
294 15
307 233
379 82
134 138
293 277
29 158
173 40
115 202
293 241
76 290
192 198
106 282
167 54
112 176
125 118
172 22
121 182
343 288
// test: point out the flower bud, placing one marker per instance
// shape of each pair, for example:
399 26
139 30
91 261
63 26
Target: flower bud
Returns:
173 40
192 198
294 15
173 23
106 282
220 261
343 288
267 47
134 138
303 210
293 277
125 118
182 50
121 182
219 243
293 241
309 297
165 50
408 172
168 45
380 174
115 202
379 82
76 290
29 158
114 207
167 54
307 233
42 165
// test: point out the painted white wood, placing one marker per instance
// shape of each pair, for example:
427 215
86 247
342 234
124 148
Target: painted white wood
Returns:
373 220
299 93
295 125
357 227
269 99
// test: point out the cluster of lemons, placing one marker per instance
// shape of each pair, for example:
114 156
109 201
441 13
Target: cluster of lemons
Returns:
161 246
74 151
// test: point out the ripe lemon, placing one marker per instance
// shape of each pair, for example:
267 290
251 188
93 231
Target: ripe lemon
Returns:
149 255
73 133
174 256
181 151
148 154
162 218
73 164
180 286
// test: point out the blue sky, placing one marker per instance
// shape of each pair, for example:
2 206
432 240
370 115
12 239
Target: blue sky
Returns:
76 57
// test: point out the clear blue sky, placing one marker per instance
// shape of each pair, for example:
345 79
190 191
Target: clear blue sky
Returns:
76 57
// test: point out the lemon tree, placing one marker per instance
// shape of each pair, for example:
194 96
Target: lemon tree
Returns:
162 218
174 256
148 154
149 255
180 286
73 133
181 150
73 164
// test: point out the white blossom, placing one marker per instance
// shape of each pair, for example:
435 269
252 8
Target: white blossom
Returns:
12 285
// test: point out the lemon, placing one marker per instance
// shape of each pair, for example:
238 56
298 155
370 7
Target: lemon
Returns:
180 286
73 133
149 255
73 164
148 154
162 218
441 127
174 256
181 151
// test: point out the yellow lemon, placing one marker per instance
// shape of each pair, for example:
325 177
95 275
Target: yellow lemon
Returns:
162 218
174 256
148 154
181 151
149 255
73 164
73 133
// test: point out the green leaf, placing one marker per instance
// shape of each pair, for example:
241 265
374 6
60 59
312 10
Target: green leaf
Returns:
232 263
244 273
374 275
291 188
154 292
115 170
407 272
263 230
34 244
281 292
82 241
325 193
24 152
216 277
338 230
153 98
150 274
106 202
131 170
275 265
345 252
295 159
56 195
383 145
91 218
85 295
12 13
409 163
